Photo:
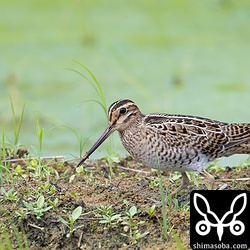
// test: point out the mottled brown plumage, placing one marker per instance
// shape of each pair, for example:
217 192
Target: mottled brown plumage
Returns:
173 142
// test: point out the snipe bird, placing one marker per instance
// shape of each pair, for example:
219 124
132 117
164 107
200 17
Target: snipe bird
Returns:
173 142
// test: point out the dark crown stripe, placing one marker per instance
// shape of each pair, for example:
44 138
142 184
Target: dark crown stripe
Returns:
124 102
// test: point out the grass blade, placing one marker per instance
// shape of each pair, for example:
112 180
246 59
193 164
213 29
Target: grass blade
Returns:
39 136
164 210
79 139
177 240
98 87
95 84
16 127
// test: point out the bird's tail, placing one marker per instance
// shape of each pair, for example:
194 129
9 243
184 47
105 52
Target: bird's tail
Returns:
239 138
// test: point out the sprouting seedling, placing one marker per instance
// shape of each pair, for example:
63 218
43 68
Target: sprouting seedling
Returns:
129 219
130 222
38 207
110 220
39 136
109 217
137 235
16 124
150 211
39 131
3 156
11 195
79 138
132 212
71 221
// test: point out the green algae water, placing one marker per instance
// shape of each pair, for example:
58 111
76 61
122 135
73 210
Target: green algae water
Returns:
182 57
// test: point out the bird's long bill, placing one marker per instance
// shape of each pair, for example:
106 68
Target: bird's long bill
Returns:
107 132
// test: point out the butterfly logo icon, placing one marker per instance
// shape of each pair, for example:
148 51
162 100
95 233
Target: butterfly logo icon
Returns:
210 219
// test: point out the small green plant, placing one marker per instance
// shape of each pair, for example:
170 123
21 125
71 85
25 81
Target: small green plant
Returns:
194 177
66 173
3 146
52 189
123 174
136 235
109 217
215 167
131 225
38 150
16 124
71 221
101 102
95 84
79 138
110 220
39 137
185 206
54 202
98 89
21 213
176 176
154 183
19 170
150 211
32 165
38 208
74 193
43 187
129 220
82 170
110 159
177 240
244 165
41 169
125 202
105 210
131 213
3 165
11 195
2 169
5 243
21 241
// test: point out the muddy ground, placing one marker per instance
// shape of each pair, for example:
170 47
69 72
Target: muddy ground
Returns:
100 193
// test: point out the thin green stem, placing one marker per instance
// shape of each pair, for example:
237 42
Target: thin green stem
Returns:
164 209
95 84
80 140
16 124
39 136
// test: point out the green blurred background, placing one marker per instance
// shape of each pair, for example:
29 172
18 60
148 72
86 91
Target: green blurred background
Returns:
179 56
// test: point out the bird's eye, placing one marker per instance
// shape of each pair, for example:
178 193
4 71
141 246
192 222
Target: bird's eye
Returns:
123 111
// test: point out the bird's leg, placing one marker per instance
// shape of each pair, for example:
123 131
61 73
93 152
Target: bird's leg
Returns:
210 178
184 183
